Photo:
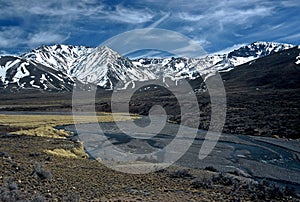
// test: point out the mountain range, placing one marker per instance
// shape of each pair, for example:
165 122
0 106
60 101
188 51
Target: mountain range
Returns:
61 67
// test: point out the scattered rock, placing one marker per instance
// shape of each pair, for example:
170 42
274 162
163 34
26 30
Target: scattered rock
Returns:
41 173
181 174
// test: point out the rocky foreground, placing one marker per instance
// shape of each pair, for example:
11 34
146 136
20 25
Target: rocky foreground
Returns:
28 173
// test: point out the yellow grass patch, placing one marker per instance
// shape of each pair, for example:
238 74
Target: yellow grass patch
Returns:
34 121
62 153
44 131
75 152
43 125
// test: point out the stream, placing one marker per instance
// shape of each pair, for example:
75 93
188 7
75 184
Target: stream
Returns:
276 160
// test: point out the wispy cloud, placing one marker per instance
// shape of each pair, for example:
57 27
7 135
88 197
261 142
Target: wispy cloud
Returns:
155 39
13 37
229 22
77 10
10 37
228 15
240 16
50 22
218 24
45 38
160 20
52 8
129 15
290 3
291 37
190 17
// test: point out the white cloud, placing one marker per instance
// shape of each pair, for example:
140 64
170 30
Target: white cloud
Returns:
241 16
212 20
66 8
10 37
218 22
45 38
188 29
127 15
47 22
291 37
290 3
72 10
227 15
160 20
157 39
190 17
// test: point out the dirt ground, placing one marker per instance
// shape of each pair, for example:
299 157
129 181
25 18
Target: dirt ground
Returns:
27 172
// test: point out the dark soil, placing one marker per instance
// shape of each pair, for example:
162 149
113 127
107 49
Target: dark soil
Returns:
263 112
27 173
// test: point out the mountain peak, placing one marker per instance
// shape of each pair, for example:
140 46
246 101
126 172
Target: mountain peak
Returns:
270 43
106 51
259 49
106 68
59 57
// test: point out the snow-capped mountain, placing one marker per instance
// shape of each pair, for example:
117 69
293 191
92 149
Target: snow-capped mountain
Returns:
178 68
276 71
106 68
17 72
60 66
58 57
256 50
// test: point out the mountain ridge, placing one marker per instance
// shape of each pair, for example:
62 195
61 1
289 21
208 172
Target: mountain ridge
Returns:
107 69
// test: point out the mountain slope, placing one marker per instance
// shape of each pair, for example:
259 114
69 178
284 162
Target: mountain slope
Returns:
256 50
19 73
263 96
106 68
278 71
58 57
179 68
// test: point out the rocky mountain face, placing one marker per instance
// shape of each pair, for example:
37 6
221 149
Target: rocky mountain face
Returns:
58 57
178 68
277 71
108 69
17 72
60 67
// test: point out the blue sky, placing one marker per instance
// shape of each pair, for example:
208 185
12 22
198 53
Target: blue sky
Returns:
215 25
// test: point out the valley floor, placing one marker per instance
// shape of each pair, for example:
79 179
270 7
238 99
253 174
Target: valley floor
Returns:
259 112
27 172
55 168
38 161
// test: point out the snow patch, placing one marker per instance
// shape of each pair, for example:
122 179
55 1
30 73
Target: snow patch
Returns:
2 73
179 65
21 72
33 85
209 75
298 60
43 77
227 70
242 60
12 63
137 63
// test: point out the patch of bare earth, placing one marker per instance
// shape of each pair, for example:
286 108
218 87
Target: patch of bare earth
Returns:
28 172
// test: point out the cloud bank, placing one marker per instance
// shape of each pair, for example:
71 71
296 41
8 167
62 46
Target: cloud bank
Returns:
215 25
